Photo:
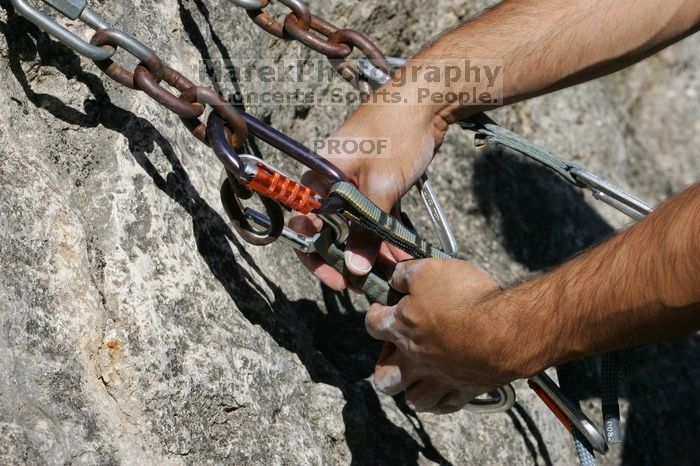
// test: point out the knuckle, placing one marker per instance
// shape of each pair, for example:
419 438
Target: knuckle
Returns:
423 269
372 313
389 382
379 320
408 316
403 313
372 317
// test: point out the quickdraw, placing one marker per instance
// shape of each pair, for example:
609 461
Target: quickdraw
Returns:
228 129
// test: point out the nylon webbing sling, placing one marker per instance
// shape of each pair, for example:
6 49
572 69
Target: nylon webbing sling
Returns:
361 211
491 131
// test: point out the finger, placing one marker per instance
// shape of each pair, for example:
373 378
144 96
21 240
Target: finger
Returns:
387 350
324 272
361 251
393 375
387 259
454 401
307 225
380 322
403 274
399 255
424 395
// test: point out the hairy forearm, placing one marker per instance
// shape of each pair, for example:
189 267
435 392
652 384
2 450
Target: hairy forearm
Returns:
638 287
545 45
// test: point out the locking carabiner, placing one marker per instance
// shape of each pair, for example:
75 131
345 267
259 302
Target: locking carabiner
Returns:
294 149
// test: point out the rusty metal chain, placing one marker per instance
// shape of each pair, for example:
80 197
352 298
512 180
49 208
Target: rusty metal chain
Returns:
319 35
147 76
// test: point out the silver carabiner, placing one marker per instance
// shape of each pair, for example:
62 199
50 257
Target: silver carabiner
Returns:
72 9
544 385
250 4
499 400
613 196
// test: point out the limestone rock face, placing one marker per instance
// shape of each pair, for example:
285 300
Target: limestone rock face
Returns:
137 328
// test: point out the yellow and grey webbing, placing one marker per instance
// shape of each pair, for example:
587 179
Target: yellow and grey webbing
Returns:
359 210
363 212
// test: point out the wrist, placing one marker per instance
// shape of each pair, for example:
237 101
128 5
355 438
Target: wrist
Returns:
429 99
404 123
449 82
531 329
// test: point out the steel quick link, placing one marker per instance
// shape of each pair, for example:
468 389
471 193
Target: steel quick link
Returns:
75 9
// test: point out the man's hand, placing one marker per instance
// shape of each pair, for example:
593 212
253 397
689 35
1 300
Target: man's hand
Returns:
412 136
456 334
447 342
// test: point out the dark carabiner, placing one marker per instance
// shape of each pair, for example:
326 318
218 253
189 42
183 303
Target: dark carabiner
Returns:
218 138
235 188
239 217
294 149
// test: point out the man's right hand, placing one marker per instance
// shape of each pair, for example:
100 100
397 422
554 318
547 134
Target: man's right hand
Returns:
412 135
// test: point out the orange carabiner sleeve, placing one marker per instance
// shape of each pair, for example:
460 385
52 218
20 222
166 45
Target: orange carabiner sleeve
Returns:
289 193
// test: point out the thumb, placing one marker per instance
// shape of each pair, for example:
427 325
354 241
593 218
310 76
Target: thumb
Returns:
361 251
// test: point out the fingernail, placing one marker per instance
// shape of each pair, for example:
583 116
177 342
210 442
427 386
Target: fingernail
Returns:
358 264
411 405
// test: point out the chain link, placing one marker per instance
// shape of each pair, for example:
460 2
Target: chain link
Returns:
116 38
206 95
263 19
146 82
320 36
329 46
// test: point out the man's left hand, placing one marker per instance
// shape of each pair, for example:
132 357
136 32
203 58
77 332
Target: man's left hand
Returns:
447 341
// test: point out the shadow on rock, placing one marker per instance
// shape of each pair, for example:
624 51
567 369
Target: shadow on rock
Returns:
332 345
543 222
